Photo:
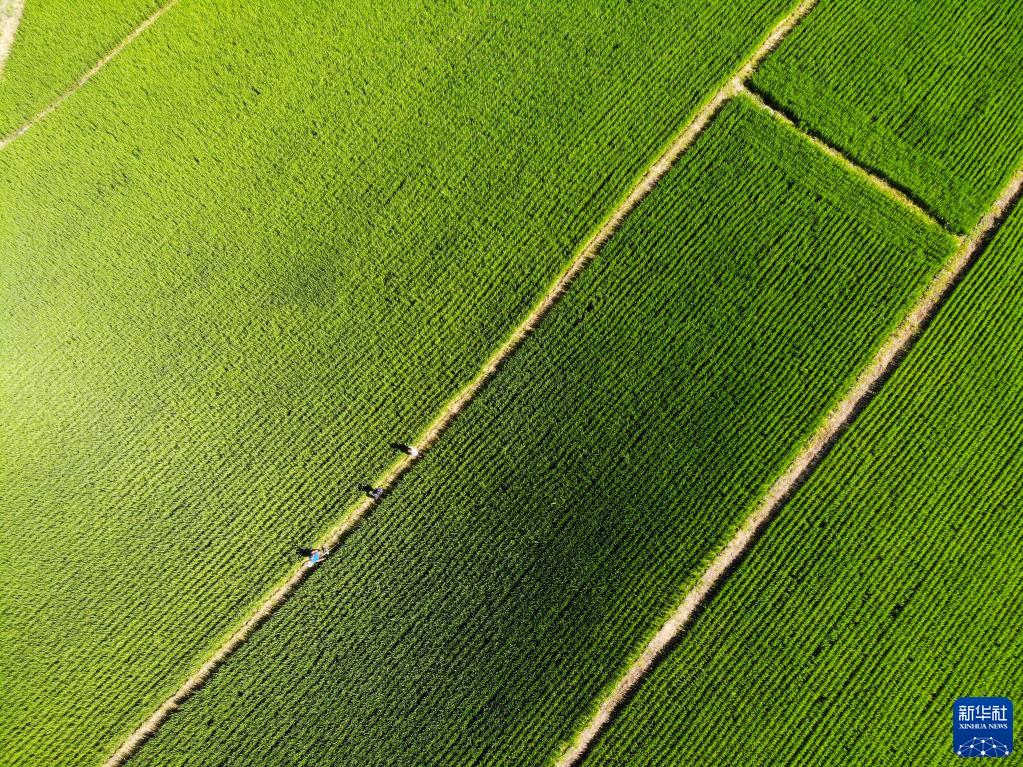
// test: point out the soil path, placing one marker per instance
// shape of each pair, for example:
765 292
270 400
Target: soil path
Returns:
852 403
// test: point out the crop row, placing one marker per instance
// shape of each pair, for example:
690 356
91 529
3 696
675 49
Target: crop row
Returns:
266 241
480 610
887 588
930 94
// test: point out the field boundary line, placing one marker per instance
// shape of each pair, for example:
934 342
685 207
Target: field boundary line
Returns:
654 173
10 18
876 180
81 81
866 385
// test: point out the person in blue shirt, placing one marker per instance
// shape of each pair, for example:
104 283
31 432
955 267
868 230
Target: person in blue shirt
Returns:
314 556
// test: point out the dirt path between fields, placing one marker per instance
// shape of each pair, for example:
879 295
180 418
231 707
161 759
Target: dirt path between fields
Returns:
848 163
649 180
113 53
10 17
866 385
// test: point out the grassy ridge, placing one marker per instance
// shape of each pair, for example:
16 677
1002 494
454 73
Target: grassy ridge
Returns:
887 588
56 43
928 93
264 243
477 613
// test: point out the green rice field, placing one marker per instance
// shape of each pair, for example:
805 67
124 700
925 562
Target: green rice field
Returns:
575 292
483 606
887 588
928 93
246 276
57 42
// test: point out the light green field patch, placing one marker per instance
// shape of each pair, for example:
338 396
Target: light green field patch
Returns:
57 41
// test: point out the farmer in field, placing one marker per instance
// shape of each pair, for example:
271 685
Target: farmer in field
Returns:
316 556
376 493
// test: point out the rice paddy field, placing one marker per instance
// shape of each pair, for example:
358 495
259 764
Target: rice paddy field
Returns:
57 42
214 328
887 588
542 554
928 93
251 252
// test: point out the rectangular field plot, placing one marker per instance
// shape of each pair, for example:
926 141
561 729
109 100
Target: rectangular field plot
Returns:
264 243
889 586
929 94
478 612
58 41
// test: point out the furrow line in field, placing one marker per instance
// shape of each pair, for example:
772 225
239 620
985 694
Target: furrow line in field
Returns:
888 357
10 17
81 81
732 87
843 159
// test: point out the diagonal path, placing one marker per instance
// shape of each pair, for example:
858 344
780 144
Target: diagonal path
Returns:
852 403
74 87
843 159
690 132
